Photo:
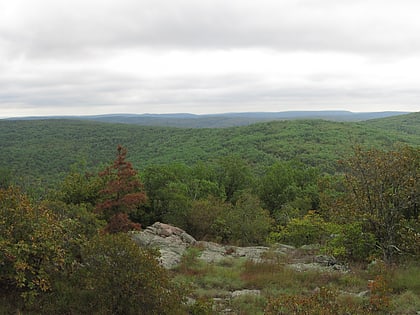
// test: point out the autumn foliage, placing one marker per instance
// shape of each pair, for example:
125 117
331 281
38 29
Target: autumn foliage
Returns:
122 192
383 192
31 246
120 222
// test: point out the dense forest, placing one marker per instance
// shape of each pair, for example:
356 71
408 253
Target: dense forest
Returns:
43 151
70 192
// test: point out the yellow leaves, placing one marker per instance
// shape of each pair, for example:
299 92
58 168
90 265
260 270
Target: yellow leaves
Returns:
31 244
42 283
21 266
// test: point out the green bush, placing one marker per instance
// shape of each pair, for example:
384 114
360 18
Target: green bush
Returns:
118 277
351 243
32 248
202 306
311 229
248 222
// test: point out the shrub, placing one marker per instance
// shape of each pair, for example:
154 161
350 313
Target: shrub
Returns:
310 229
31 246
379 294
322 302
118 277
350 242
248 222
203 218
202 306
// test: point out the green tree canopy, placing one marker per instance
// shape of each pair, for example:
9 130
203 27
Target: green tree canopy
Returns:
384 192
289 183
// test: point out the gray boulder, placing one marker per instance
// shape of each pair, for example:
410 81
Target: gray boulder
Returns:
171 242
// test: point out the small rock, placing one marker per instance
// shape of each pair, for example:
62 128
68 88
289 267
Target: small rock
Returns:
238 293
325 260
310 247
363 293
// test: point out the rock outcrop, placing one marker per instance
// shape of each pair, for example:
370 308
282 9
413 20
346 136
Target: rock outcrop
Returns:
172 242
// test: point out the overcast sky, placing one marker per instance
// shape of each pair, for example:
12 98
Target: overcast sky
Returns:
208 56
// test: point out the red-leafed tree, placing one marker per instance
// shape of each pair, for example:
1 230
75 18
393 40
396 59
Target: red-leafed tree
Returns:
123 191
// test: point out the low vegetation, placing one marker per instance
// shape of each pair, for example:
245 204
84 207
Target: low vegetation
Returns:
274 288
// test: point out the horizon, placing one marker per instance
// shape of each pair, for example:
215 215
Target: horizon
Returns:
208 114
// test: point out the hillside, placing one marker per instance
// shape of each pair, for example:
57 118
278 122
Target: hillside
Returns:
46 148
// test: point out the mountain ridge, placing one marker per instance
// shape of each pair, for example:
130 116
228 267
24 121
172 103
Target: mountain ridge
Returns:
222 120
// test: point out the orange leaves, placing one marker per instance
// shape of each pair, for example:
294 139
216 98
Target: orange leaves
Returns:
379 294
121 223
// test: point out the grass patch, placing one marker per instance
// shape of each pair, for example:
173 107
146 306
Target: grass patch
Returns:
209 280
248 305
406 303
352 282
225 278
391 290
279 276
406 279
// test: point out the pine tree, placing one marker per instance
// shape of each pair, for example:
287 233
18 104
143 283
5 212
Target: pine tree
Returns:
123 191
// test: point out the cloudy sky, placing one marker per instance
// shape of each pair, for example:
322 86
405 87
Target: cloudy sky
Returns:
208 56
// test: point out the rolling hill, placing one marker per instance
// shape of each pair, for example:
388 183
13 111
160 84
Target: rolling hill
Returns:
43 150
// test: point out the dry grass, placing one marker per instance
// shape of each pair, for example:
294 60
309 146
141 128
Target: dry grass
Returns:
276 281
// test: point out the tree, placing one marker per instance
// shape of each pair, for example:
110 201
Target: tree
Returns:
123 191
289 188
384 192
248 222
167 193
205 219
80 186
31 247
234 176
171 190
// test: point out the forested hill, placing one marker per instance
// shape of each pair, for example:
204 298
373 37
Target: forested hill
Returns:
45 149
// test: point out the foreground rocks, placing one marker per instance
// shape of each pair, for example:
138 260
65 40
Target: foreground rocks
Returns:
172 242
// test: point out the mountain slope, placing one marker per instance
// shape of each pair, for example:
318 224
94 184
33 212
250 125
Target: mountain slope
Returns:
45 149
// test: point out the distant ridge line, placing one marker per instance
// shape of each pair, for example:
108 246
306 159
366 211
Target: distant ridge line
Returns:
222 120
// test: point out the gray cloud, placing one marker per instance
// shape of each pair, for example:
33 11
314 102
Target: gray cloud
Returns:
46 28
59 55
189 94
